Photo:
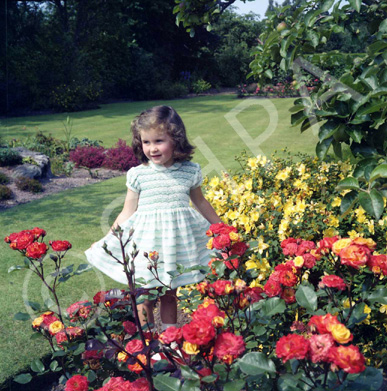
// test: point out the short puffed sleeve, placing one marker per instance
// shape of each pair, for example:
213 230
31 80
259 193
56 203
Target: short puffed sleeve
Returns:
198 177
132 182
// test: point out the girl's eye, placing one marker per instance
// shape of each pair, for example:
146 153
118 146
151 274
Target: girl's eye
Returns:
145 142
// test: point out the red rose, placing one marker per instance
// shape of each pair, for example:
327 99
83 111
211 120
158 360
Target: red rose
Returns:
22 241
288 278
216 228
332 281
100 297
129 327
292 346
60 245
221 241
12 237
213 270
72 332
38 232
202 287
305 247
289 295
309 260
136 367
77 383
199 332
171 334
326 243
221 287
79 310
322 323
116 383
91 354
211 313
47 320
140 385
134 345
378 264
36 250
238 248
290 249
288 266
229 344
319 347
253 294
272 288
348 358
232 264
287 241
355 255
222 229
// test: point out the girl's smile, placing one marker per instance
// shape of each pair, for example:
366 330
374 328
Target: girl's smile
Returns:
157 146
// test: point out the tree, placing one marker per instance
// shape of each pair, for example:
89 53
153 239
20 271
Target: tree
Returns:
351 107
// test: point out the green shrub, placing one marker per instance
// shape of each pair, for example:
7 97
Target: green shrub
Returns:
75 97
4 179
200 86
165 90
85 142
40 142
5 193
9 157
29 184
61 166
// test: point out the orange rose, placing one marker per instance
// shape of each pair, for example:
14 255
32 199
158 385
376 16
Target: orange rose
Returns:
365 242
340 244
355 255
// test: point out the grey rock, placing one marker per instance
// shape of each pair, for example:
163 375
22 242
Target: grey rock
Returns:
42 161
27 170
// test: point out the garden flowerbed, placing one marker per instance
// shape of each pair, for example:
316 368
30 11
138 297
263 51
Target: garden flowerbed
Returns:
56 184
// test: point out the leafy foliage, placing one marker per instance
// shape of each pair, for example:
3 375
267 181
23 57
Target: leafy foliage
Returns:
90 157
4 180
29 184
9 157
120 157
5 192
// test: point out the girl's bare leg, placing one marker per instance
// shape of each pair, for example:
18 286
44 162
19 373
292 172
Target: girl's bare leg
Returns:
168 307
147 306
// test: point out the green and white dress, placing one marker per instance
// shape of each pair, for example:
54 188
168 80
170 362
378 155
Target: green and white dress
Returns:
164 222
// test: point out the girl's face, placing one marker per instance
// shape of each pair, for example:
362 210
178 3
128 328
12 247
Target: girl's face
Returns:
157 146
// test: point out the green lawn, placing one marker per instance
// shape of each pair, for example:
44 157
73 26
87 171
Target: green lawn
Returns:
81 215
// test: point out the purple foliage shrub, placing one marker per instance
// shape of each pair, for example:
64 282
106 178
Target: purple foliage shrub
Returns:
120 157
90 157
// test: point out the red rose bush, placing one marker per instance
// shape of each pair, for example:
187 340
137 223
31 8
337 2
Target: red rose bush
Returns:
305 324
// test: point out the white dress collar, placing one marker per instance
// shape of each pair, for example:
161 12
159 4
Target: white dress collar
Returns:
161 167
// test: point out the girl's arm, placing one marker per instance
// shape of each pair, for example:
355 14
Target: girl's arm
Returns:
130 206
203 206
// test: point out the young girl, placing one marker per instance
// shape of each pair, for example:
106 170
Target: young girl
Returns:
157 208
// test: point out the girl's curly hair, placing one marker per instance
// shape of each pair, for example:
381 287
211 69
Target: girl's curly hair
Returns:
165 119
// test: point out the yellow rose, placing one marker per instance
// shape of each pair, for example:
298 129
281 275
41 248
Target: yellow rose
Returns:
383 309
37 322
209 244
122 356
55 327
340 333
340 244
218 321
234 236
190 348
298 261
239 285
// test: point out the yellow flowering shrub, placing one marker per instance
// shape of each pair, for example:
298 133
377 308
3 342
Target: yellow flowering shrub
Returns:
274 199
